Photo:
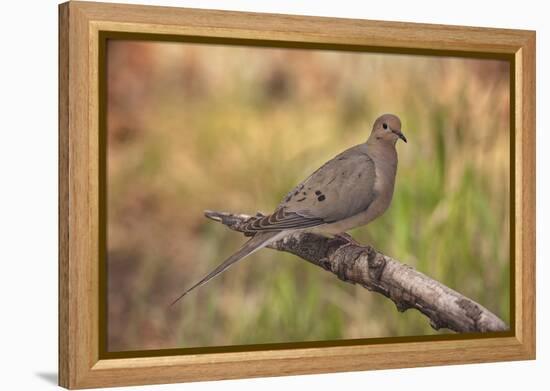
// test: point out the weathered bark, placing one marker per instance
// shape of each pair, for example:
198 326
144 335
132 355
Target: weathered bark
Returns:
377 272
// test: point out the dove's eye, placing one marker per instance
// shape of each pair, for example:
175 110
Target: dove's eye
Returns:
385 126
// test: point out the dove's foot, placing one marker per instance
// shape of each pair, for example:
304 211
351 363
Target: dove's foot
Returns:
347 238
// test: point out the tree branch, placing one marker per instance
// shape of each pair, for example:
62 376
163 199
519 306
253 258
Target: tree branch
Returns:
377 272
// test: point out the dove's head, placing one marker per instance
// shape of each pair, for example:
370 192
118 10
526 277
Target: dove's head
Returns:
387 129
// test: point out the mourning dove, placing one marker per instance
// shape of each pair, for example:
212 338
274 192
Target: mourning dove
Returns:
348 191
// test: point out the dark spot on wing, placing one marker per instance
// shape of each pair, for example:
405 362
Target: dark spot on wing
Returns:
318 192
342 158
296 192
321 197
301 199
288 198
304 193
359 176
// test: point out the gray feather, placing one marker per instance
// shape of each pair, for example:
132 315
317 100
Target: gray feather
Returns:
259 241
341 188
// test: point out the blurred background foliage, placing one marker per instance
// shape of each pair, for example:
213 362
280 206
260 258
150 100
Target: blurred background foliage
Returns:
194 127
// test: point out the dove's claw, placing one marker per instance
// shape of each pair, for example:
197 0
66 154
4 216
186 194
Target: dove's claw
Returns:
347 238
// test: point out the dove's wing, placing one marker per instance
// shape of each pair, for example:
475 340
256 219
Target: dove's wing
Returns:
341 188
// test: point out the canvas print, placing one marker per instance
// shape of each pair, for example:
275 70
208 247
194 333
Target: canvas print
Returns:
263 195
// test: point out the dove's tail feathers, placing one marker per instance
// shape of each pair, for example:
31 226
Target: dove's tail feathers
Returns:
259 241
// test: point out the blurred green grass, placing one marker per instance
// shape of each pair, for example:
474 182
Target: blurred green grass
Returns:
194 127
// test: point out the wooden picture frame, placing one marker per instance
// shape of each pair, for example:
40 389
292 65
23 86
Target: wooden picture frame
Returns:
81 362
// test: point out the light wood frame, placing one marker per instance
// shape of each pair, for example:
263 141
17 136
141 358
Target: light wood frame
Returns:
80 364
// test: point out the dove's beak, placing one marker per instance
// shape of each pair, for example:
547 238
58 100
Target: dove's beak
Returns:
400 135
